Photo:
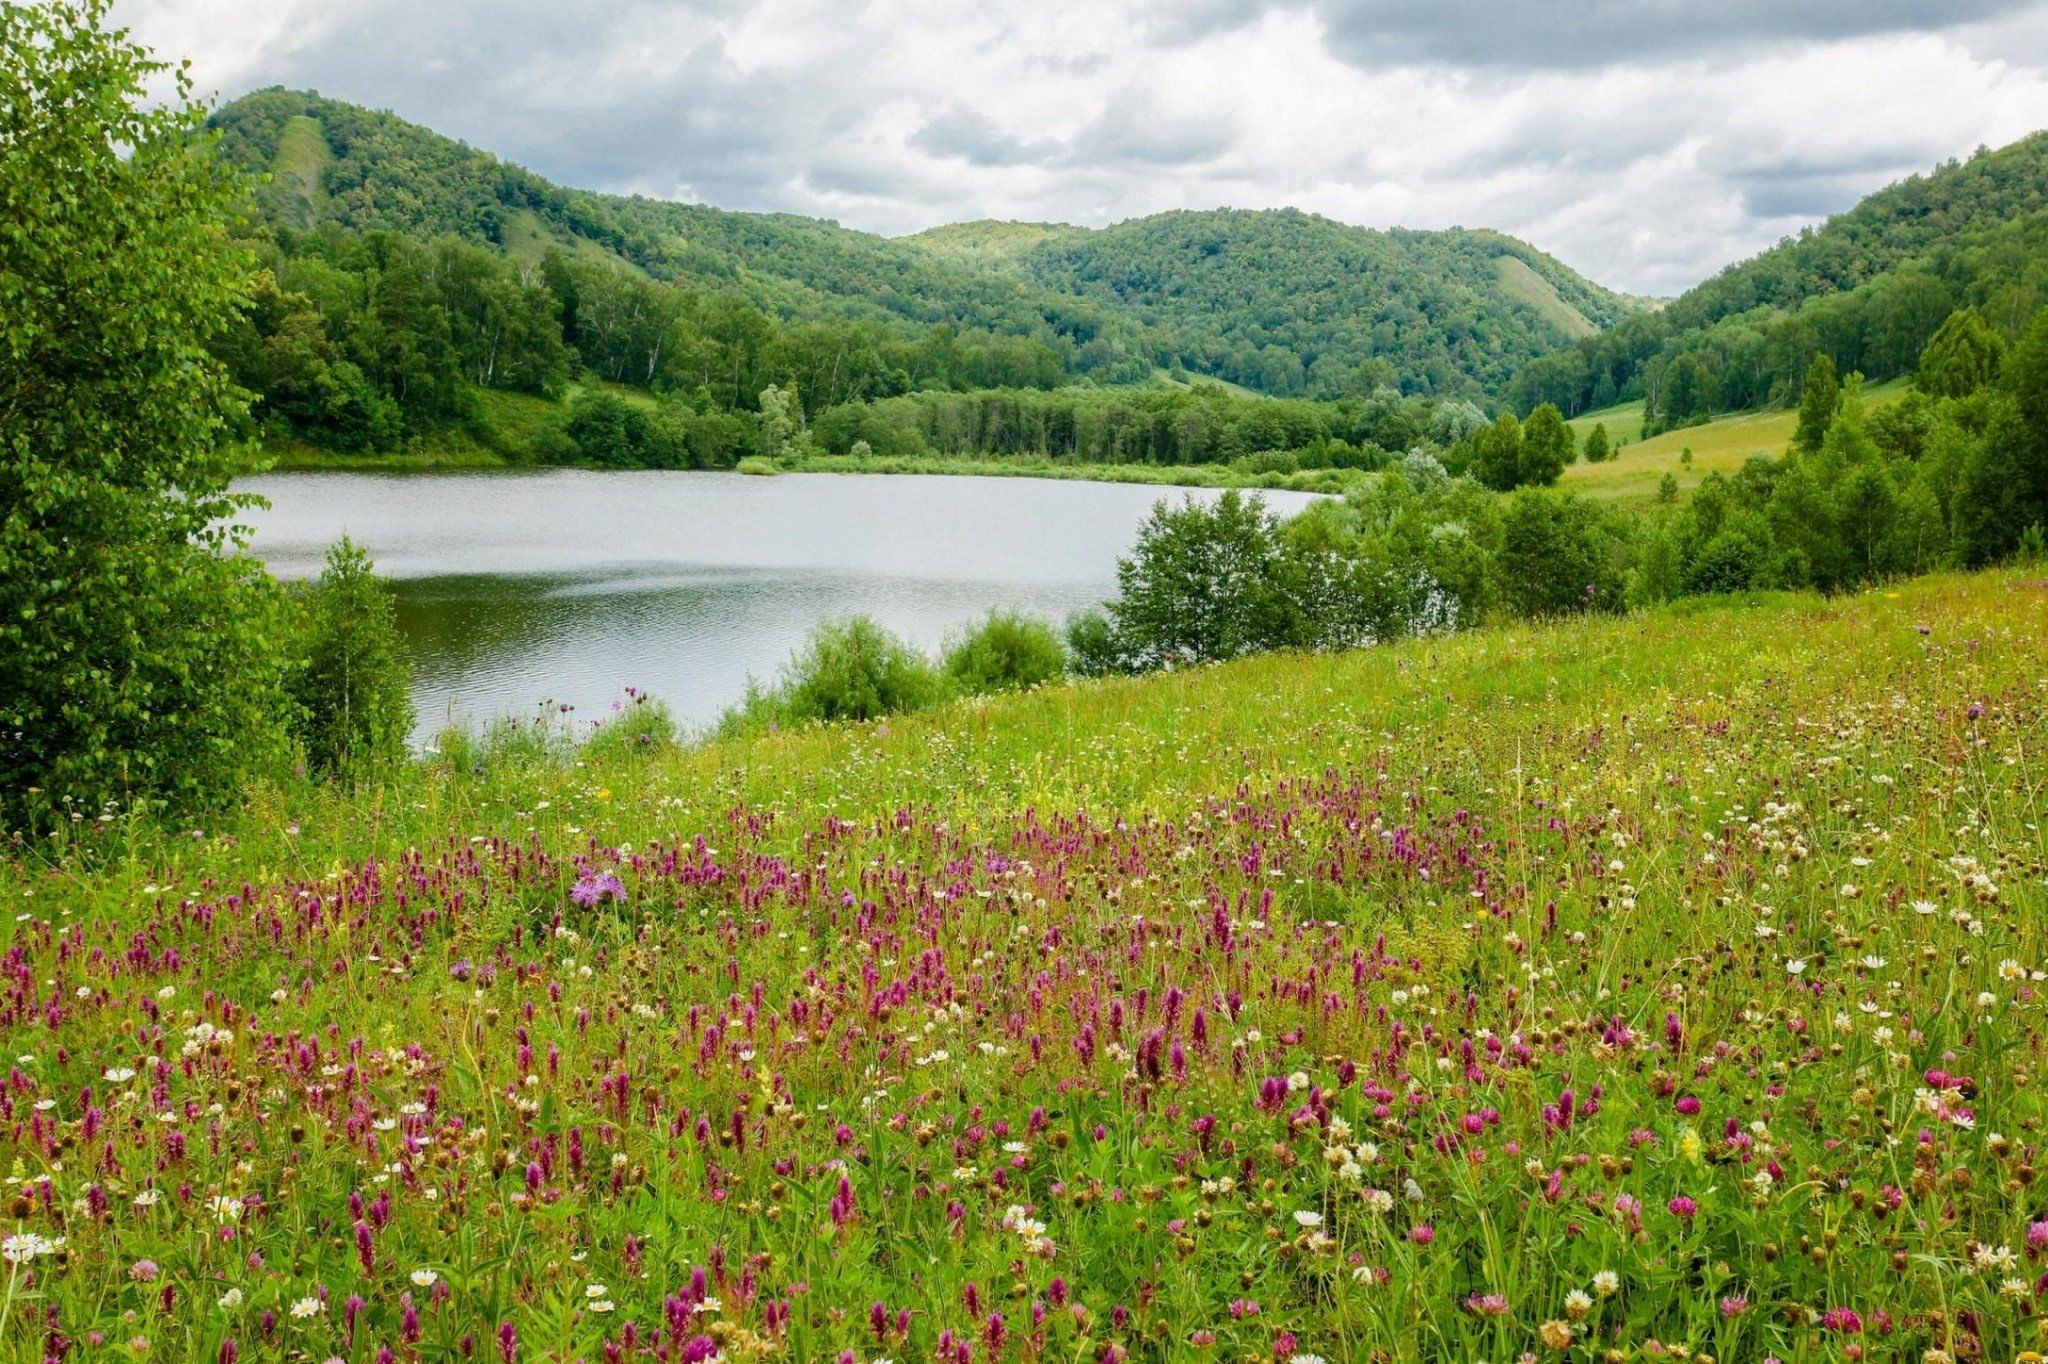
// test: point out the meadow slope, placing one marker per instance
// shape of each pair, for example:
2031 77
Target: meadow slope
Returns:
1721 446
1659 987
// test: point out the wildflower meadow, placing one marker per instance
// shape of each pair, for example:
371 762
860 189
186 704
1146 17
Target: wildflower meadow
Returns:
1662 987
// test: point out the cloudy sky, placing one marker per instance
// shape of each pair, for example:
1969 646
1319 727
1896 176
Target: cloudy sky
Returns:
1645 142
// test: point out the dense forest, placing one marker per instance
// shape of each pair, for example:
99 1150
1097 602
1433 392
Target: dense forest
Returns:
371 342
407 277
1281 302
333 162
1868 289
1205 424
1288 302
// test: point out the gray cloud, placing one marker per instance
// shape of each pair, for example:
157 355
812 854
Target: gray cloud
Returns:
973 137
1646 143
1581 34
1135 132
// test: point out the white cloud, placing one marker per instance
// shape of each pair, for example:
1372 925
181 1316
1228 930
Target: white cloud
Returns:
1647 161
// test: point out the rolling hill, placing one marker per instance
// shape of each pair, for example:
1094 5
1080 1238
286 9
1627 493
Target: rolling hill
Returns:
1285 301
1867 287
1279 301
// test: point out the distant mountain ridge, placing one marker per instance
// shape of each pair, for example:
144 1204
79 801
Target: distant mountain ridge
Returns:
1279 301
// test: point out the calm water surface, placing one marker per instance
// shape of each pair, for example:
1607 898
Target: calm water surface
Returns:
517 590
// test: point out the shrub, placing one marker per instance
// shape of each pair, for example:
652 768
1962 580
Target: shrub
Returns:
1005 652
1598 450
1271 462
352 686
853 670
720 440
608 431
1560 554
1093 647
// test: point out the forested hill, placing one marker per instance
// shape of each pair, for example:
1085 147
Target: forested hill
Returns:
1285 301
1868 288
334 162
1279 301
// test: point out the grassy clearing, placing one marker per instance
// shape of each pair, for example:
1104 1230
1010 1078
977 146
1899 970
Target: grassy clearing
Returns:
1624 422
1718 446
989 242
526 236
302 154
1519 281
1667 985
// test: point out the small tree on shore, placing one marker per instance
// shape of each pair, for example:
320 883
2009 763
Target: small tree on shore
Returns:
352 685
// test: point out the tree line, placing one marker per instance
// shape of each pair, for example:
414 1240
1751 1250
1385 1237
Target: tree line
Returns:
1955 475
373 341
1868 290
367 171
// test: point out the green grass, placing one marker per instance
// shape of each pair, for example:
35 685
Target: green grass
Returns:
443 453
1166 379
525 236
1518 281
1358 988
1720 446
1624 422
302 154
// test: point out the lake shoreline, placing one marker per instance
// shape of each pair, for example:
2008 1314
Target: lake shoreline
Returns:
1207 476
518 586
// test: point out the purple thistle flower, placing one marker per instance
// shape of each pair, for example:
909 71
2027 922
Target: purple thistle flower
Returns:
593 889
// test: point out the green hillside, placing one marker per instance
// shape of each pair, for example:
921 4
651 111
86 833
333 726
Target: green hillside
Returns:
1868 288
1279 301
991 242
1285 301
379 172
297 196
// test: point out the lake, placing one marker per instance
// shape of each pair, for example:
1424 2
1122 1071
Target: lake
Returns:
519 590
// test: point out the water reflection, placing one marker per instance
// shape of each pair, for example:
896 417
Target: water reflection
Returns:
567 586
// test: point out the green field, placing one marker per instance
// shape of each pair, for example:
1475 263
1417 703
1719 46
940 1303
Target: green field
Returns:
1664 986
1719 446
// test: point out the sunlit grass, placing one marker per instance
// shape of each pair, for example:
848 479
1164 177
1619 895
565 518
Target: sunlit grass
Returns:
1668 985
1722 446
